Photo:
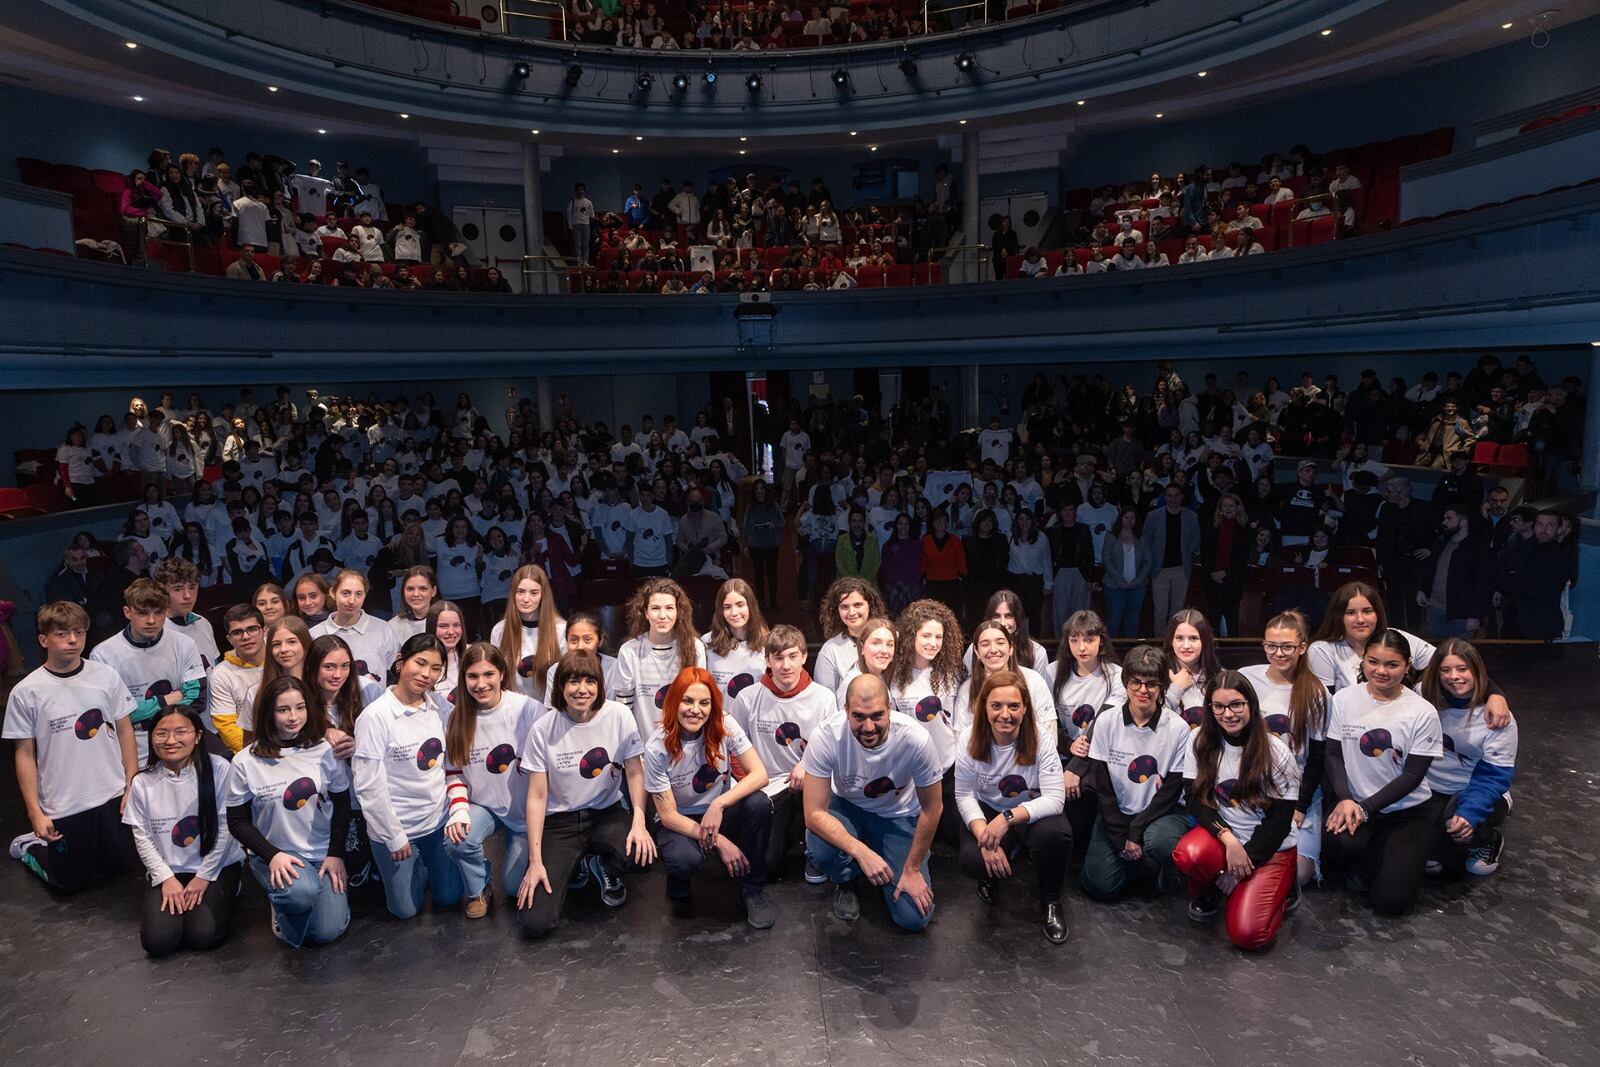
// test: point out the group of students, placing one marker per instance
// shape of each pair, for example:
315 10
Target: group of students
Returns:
356 748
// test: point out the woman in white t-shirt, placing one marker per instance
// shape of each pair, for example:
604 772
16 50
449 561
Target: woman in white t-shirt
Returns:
577 758
175 810
418 590
1010 795
1085 680
486 723
1382 739
1242 785
661 643
1294 705
736 643
993 651
458 560
400 783
532 633
448 624
923 682
75 468
371 641
846 607
874 656
1192 646
500 562
688 774
288 800
1006 608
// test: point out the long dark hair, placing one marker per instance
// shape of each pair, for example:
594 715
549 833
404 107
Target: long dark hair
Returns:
205 778
980 744
269 744
1332 628
1308 697
462 729
1253 788
347 701
1021 639
1209 663
1082 622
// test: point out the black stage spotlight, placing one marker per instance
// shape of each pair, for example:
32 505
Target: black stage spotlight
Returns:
710 75
752 81
644 81
965 62
908 67
574 75
841 78
680 82
520 69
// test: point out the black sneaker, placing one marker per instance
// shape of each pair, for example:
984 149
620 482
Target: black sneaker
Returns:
987 889
580 875
1484 860
814 875
846 905
1055 923
758 910
612 892
1206 906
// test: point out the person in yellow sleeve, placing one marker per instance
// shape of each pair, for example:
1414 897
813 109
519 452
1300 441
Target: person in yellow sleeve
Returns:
233 682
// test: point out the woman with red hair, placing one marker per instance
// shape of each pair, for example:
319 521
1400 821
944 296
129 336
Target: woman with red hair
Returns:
702 810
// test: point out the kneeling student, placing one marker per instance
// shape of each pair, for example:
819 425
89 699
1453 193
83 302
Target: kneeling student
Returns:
1010 785
1136 768
1479 760
1243 786
288 800
872 804
175 809
71 720
686 770
577 757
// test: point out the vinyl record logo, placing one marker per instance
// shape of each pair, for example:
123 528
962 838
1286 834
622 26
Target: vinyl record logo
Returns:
299 793
89 724
739 683
428 755
1143 769
594 762
499 759
878 787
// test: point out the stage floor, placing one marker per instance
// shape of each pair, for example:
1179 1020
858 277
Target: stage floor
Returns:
1503 970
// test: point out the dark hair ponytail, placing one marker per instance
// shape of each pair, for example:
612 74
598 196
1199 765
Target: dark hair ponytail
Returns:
204 776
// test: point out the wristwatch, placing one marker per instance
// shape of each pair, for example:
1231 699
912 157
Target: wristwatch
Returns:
1007 815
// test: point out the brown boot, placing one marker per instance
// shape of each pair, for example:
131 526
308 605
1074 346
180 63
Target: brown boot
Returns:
478 906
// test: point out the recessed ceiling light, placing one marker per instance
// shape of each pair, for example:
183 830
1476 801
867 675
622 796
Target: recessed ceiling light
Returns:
534 132
1201 73
616 151
1082 102
131 44
1507 25
872 148
404 115
139 99
852 133
1161 114
322 131
1327 33
742 139
963 122
272 88
636 137
741 151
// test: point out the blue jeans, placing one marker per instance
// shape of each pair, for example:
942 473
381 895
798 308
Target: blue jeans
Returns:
405 881
310 909
1122 610
889 838
474 865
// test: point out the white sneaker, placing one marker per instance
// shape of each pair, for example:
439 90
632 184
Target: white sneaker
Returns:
1433 868
23 842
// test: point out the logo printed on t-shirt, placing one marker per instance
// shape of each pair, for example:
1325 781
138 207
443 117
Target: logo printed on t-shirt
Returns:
428 755
500 758
1012 785
525 666
739 683
661 695
186 831
928 708
1278 724
705 777
594 762
1083 715
788 735
1225 791
158 689
89 723
1144 769
298 793
878 787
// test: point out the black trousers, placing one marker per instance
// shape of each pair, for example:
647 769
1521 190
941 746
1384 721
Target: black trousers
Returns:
788 827
765 575
1447 850
1389 851
1030 589
568 837
1047 842
94 845
747 824
201 928
1223 599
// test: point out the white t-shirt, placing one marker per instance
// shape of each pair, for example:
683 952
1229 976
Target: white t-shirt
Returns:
231 690
583 762
995 445
73 721
197 628
457 570
935 712
644 671
795 446
693 780
1188 704
1003 784
166 807
497 572
1285 785
1139 757
400 752
1337 664
373 647
152 671
1274 700
1084 696
1467 739
882 780
1377 737
357 552
738 670
1038 658
836 656
781 727
651 529
291 797
493 772
76 458
613 521
1044 706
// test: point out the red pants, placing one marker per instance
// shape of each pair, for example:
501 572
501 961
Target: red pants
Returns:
1255 908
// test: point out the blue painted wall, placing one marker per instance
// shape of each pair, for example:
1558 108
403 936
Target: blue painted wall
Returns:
1454 93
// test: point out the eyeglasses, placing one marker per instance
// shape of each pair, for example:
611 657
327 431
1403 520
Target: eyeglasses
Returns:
1147 684
182 733
248 631
1236 707
1279 650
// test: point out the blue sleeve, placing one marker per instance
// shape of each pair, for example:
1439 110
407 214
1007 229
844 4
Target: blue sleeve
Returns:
145 709
1488 781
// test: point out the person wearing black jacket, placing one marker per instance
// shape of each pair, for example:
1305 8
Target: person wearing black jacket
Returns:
1454 584
988 556
1243 785
1405 536
73 583
1461 489
1540 570
1225 543
106 601
1358 525
1072 559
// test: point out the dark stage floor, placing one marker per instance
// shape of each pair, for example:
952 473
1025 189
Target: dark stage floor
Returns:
1499 971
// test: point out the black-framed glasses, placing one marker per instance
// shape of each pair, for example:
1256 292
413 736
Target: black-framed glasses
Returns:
1147 684
1233 707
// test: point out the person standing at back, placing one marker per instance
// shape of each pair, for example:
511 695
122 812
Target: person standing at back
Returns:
1172 537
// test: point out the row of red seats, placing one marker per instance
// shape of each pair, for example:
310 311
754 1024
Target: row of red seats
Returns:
1566 116
1420 219
1270 238
895 276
